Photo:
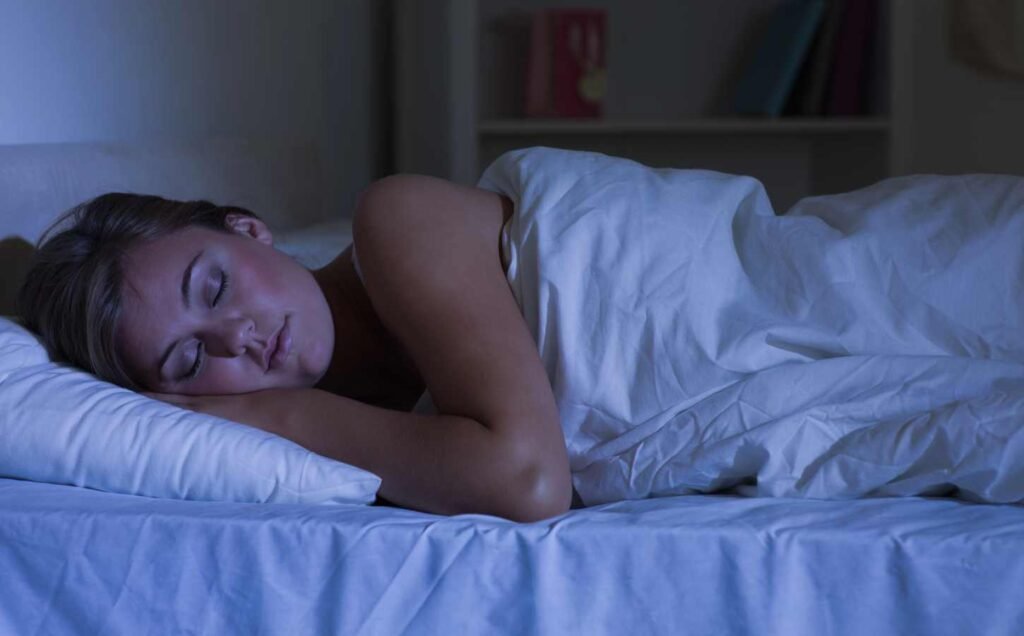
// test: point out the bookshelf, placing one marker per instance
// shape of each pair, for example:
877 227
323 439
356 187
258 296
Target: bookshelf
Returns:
695 126
673 67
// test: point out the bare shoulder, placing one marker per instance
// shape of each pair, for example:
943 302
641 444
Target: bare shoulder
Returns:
429 251
423 202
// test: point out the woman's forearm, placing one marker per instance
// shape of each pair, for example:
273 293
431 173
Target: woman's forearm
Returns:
445 464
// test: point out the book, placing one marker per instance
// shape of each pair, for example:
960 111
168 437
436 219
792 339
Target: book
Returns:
567 69
769 77
808 96
847 92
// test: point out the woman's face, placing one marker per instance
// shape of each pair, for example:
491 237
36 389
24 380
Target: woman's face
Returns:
207 312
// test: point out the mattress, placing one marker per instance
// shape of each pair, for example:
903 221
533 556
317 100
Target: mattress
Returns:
78 561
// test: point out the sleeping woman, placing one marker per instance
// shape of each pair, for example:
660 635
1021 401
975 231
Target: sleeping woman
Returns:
580 322
191 303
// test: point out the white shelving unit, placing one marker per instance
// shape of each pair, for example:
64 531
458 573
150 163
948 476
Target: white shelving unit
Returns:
458 92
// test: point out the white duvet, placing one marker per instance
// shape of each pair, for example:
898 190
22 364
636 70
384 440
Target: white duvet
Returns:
865 344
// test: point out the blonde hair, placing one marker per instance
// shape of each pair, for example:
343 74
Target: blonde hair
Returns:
71 295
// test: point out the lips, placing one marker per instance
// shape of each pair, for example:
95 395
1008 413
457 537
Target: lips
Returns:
271 349
277 348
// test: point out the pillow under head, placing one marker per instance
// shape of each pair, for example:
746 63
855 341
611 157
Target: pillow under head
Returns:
62 425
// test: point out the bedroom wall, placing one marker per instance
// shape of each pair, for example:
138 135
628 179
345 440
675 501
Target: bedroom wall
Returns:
960 119
126 71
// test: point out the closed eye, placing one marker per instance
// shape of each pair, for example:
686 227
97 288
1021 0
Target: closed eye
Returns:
197 366
225 284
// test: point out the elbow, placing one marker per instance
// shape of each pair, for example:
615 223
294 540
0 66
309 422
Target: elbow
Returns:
545 494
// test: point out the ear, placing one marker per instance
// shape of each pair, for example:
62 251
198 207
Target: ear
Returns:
249 226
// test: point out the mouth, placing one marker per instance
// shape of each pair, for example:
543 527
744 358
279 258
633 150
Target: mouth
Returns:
278 348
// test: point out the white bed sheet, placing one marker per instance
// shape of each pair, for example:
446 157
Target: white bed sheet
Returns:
78 561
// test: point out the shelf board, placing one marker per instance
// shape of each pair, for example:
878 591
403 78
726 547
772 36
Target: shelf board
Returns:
699 126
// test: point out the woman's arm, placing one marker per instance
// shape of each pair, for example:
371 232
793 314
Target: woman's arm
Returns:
429 253
446 464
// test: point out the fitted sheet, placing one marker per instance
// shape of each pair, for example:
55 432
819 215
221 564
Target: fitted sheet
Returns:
78 561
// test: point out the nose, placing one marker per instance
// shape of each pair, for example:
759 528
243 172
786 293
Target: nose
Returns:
229 337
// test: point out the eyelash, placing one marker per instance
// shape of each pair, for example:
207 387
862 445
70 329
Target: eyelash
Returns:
225 284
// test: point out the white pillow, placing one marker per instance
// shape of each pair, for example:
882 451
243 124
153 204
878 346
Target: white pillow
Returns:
64 426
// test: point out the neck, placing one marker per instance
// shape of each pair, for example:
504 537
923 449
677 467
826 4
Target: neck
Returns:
367 363
351 344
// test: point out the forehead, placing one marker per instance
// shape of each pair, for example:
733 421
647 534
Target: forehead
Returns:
159 256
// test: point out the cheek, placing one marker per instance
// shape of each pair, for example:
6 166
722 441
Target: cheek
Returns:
263 288
297 295
315 352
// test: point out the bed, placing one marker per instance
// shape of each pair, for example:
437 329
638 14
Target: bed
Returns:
79 560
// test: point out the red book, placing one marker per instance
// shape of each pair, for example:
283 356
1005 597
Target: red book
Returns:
566 72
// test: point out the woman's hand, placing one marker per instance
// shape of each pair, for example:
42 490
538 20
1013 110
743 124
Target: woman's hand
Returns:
244 408
184 401
209 404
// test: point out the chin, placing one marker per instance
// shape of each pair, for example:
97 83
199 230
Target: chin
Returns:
302 377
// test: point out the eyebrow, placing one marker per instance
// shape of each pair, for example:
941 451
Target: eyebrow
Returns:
186 292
